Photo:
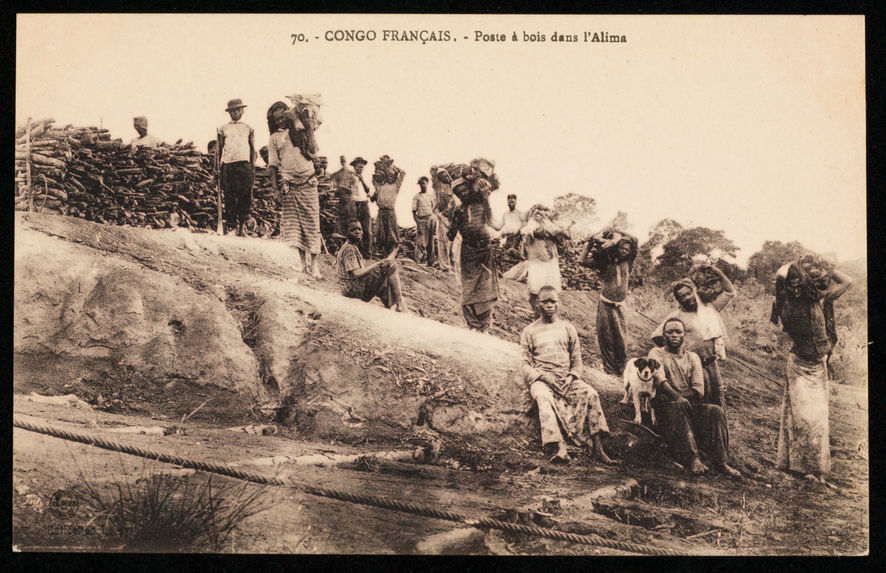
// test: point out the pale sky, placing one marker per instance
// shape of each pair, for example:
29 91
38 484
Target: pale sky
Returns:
750 124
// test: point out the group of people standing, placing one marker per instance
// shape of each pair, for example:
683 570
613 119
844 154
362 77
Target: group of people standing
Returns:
689 398
456 218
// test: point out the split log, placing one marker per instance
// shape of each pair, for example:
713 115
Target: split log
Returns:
43 160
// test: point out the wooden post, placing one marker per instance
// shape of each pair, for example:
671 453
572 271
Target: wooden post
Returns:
28 165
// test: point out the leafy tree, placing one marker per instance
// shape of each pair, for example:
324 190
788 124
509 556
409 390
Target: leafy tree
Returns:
772 255
731 270
659 234
580 209
676 257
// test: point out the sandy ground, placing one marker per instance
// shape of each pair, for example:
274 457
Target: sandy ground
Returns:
766 512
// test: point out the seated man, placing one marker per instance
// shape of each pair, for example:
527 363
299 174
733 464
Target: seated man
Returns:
682 417
551 368
380 279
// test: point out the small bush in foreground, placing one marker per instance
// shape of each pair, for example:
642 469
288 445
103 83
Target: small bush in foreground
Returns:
162 513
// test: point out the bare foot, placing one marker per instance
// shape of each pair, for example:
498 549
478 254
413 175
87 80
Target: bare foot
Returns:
729 471
561 456
601 456
697 468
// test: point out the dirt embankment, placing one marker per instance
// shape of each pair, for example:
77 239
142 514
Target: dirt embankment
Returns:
158 325
151 321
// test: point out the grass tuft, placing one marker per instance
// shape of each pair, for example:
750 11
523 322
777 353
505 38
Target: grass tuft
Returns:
171 513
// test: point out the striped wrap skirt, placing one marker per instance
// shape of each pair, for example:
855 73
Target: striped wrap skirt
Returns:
300 222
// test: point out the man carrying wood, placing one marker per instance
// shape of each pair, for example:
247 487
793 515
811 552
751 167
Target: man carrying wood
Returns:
386 191
612 253
425 223
686 422
477 265
144 139
236 159
551 368
380 279
805 292
443 210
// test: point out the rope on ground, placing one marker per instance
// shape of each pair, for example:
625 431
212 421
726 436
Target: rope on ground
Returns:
731 358
358 498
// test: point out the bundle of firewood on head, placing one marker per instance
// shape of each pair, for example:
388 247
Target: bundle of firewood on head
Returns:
542 222
302 120
385 171
707 281
542 225
472 182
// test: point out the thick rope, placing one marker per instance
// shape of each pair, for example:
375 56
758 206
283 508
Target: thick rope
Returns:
358 498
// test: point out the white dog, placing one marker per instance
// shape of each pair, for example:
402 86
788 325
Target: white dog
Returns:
639 384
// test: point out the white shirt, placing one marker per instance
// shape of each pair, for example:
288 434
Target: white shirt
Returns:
236 148
147 141
511 222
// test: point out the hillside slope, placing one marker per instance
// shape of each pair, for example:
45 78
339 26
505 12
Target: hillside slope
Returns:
224 330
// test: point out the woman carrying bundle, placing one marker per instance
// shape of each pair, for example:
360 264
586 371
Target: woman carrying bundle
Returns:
479 274
291 151
803 289
541 234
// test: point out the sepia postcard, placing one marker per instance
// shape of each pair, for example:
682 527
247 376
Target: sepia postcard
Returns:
440 284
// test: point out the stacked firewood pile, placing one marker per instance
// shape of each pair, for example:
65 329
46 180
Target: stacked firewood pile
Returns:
82 172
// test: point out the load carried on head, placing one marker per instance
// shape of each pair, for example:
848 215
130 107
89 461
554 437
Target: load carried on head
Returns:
707 281
385 171
542 222
302 120
307 106
475 180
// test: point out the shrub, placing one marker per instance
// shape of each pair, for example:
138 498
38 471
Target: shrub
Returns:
163 513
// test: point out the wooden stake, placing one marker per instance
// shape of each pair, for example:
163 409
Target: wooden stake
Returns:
702 534
220 229
185 418
28 164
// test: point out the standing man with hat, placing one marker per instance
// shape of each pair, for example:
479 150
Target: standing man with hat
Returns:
512 221
344 209
425 223
140 124
360 200
236 158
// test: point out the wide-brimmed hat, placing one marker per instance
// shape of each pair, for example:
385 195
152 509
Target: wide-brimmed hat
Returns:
235 104
358 160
